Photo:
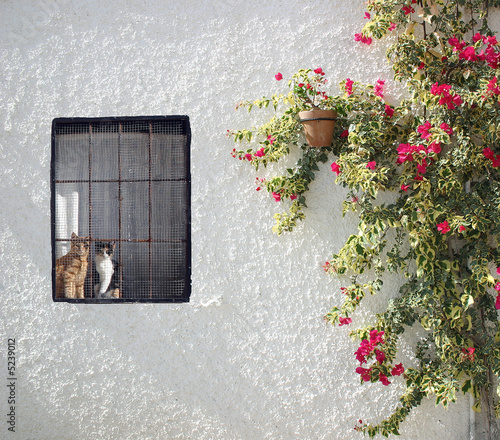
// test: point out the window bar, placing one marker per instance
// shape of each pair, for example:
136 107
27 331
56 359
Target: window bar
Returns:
90 214
150 214
120 258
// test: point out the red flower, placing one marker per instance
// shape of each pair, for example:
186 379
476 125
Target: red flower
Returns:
488 153
326 266
335 168
443 227
379 88
434 147
293 196
344 134
407 10
424 130
348 86
380 355
363 39
319 71
278 76
421 66
371 165
446 128
461 228
389 111
270 139
497 302
383 378
397 370
260 153
404 187
277 196
248 156
392 27
364 372
344 321
469 54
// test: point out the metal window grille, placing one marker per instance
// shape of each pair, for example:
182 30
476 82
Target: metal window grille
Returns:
126 181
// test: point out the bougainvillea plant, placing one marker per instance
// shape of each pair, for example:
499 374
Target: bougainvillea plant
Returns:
438 154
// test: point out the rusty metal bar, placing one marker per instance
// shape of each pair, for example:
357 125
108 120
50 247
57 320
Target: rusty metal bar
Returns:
120 253
150 214
90 213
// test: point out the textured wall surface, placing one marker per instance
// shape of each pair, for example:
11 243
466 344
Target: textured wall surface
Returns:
250 356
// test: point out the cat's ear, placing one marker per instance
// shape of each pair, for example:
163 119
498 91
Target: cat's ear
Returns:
112 245
73 236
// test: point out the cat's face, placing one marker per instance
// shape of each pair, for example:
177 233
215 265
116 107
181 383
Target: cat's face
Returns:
80 245
104 249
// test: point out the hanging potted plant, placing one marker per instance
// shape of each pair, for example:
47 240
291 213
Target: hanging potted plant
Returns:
317 118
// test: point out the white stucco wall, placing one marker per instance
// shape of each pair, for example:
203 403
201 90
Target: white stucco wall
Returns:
250 356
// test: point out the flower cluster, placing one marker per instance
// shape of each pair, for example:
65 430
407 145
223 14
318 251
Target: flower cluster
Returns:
488 154
450 99
368 348
469 53
363 39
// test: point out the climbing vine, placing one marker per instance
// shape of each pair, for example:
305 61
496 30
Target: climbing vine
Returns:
437 153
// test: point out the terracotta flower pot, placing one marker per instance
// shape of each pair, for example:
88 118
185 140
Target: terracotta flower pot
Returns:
318 126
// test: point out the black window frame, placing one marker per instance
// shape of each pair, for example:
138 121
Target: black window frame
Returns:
151 120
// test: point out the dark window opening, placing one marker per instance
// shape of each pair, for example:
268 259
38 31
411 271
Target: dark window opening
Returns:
120 207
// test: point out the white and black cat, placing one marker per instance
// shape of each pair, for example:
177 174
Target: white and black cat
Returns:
105 266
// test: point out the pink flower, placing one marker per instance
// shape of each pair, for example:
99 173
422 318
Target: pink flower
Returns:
469 353
434 148
493 89
371 165
392 27
319 71
260 153
498 270
424 130
488 153
404 187
335 168
278 76
397 370
367 15
469 54
407 10
344 321
495 163
248 156
376 336
421 66
326 266
443 227
389 111
348 86
270 139
277 196
497 302
379 88
380 355
497 287
363 39
461 228
383 378
456 44
293 196
446 128
364 372
477 37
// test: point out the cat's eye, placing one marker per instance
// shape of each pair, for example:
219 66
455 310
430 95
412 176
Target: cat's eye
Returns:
125 184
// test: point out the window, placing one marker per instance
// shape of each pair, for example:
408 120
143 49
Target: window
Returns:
120 207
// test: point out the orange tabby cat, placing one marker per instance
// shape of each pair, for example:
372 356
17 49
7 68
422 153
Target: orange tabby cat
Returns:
71 269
